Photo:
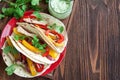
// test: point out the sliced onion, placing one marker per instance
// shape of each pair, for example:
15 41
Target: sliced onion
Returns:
50 58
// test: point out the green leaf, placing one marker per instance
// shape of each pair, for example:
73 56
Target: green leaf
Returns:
37 14
14 50
10 49
8 11
46 1
35 2
2 16
57 28
13 4
36 8
44 45
20 1
19 37
36 43
10 69
7 49
18 12
24 7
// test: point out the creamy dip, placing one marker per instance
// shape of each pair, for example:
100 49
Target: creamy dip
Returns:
60 8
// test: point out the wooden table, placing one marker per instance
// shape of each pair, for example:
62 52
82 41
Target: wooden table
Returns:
93 47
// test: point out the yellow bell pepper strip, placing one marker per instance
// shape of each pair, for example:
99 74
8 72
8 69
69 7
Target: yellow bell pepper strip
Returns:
31 67
30 47
8 41
53 53
16 32
17 56
56 44
53 36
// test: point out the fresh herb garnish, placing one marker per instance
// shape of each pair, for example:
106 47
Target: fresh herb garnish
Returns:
19 37
46 1
2 16
18 7
57 28
36 43
18 12
35 2
37 14
10 69
36 8
10 49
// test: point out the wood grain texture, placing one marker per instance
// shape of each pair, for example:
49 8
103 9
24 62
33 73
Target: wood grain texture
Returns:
93 51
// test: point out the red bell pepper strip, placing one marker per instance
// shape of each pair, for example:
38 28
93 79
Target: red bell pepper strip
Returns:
47 52
42 26
47 32
60 36
39 67
31 17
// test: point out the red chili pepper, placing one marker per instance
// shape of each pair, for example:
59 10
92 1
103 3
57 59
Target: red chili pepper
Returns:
60 36
31 17
47 52
39 67
42 26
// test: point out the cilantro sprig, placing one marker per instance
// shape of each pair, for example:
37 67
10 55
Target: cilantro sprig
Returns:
46 1
37 14
35 2
57 28
19 37
10 69
18 7
2 16
10 49
36 43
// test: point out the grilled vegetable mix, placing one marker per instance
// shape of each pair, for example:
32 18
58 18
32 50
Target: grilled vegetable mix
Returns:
34 44
32 66
53 32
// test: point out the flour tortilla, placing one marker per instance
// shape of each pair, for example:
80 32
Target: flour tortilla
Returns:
33 56
19 70
50 21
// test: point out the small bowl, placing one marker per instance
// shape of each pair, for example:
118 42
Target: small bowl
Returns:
60 15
